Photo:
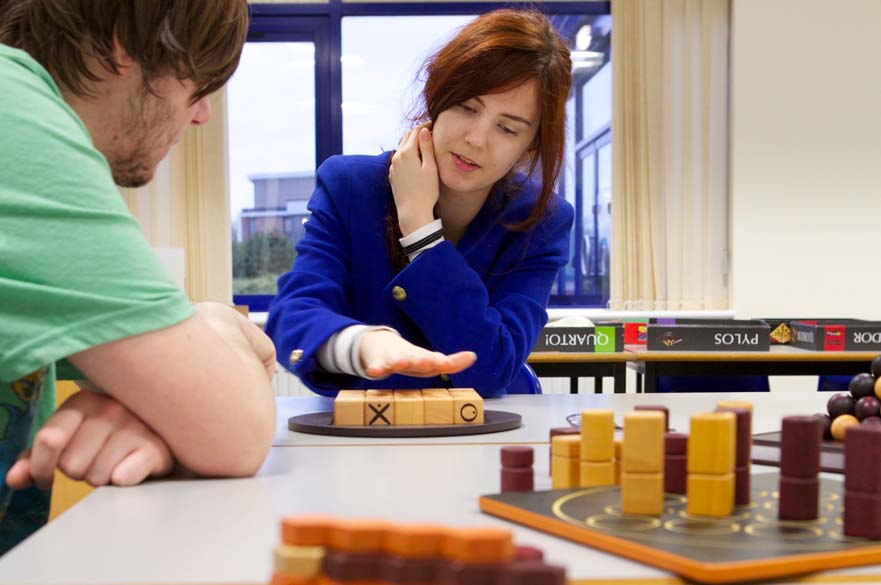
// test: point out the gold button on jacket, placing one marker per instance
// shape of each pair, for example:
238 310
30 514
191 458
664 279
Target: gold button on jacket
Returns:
295 356
399 294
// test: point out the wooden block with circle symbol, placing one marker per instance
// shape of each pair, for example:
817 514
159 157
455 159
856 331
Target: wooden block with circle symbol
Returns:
409 407
379 408
437 405
467 406
348 408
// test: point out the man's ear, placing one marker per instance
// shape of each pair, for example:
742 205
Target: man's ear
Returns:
121 59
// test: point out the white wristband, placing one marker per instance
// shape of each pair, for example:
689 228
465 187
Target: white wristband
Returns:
341 353
424 232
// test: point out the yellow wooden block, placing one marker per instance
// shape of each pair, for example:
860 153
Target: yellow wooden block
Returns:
643 448
437 406
564 472
642 493
593 473
619 444
379 408
467 406
597 435
735 404
348 408
299 561
710 495
566 446
409 407
712 443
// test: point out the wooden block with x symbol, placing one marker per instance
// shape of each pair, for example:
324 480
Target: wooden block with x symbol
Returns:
379 408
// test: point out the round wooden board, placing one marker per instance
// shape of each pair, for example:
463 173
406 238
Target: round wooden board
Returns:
320 423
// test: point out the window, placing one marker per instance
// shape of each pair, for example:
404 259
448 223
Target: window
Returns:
271 104
379 89
358 87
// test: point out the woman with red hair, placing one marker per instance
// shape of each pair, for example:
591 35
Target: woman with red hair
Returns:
432 266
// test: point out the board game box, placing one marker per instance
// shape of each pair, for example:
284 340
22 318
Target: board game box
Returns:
837 335
707 335
603 338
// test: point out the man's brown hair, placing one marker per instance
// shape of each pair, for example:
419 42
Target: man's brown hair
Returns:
199 40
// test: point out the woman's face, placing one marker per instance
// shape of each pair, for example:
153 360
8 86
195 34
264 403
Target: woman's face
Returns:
478 141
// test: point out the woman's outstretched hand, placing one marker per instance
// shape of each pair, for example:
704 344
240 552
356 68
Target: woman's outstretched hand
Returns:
414 180
384 353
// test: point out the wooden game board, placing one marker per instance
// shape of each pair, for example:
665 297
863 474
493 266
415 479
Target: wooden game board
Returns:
321 423
751 544
766 451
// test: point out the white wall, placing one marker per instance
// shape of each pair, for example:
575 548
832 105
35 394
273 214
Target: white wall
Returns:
806 158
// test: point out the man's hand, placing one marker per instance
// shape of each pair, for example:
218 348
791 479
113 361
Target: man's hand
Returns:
92 437
384 353
414 179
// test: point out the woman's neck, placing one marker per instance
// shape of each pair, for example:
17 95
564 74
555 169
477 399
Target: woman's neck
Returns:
457 210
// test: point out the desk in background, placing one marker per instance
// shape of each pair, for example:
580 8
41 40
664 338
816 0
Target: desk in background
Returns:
553 364
781 360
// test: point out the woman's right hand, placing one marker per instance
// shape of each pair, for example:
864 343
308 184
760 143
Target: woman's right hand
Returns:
414 179
384 353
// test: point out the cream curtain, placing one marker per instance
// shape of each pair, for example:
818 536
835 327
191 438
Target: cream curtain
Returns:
187 206
670 154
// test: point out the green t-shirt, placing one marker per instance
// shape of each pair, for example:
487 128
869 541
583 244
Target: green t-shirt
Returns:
75 270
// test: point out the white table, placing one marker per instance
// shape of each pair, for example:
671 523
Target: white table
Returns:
223 531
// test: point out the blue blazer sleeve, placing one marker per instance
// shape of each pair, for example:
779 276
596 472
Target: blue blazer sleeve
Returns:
312 303
499 316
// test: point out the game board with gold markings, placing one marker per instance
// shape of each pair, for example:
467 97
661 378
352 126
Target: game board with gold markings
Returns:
690 503
751 543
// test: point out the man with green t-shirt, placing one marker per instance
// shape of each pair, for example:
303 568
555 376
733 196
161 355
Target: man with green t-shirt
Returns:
95 92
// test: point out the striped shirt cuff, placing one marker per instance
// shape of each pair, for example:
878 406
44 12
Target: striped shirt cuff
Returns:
341 353
428 236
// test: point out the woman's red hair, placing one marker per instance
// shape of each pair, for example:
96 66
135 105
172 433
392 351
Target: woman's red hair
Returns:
499 51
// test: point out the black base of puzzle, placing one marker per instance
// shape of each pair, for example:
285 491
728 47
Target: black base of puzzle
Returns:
321 423
748 545
766 451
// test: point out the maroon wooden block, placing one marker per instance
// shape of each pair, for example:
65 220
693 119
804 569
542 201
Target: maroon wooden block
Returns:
800 446
675 474
342 566
532 573
675 443
862 459
561 431
528 553
654 407
517 456
862 515
799 499
744 431
742 485
517 479
461 574
411 571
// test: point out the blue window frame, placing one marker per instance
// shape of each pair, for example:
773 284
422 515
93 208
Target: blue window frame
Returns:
321 24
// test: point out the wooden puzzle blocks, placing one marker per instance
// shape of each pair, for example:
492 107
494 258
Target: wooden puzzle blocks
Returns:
431 406
327 551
